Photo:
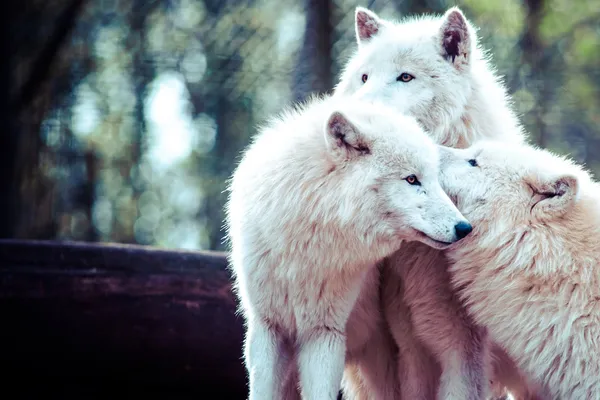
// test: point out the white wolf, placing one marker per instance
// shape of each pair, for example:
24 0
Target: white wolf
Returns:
432 68
323 193
530 271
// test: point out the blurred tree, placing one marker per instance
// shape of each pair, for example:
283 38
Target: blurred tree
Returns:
8 137
35 62
314 65
532 52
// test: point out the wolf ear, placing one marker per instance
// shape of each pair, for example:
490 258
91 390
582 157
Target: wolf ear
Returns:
553 197
366 24
456 38
343 139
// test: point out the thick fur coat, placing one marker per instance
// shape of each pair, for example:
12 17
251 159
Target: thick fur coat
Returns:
324 192
530 272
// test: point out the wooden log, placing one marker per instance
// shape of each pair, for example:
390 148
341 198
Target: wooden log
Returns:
90 320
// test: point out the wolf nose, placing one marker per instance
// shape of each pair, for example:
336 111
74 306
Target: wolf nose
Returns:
462 229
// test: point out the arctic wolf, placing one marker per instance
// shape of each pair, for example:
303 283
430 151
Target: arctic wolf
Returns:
432 68
530 272
323 193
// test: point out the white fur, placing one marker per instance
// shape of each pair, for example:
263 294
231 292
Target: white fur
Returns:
530 272
457 103
318 198
458 99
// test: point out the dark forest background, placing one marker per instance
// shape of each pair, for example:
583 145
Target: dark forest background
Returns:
122 119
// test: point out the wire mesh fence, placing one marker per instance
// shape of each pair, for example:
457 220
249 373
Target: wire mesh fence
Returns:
149 103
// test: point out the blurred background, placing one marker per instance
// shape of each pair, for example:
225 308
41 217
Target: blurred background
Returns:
123 119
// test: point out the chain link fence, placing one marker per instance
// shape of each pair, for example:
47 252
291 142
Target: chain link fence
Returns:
151 102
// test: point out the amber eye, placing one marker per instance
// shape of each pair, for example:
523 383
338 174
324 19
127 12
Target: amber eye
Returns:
405 77
364 78
412 179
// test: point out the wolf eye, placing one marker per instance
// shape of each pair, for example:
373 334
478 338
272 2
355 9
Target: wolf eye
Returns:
405 77
412 179
364 78
473 162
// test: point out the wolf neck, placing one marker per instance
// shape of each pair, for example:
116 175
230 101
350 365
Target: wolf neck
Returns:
488 113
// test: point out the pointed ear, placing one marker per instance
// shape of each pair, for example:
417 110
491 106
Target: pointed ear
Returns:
367 24
343 139
553 197
456 38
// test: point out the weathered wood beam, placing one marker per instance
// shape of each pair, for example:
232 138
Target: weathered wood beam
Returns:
87 320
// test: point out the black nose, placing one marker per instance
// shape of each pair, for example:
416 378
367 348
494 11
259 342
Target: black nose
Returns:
462 229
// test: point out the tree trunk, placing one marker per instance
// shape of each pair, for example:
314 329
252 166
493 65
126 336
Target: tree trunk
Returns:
313 73
8 137
532 53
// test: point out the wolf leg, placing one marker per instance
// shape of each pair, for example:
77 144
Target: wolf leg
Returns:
321 364
263 361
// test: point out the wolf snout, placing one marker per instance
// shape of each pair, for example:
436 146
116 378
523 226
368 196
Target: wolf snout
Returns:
462 229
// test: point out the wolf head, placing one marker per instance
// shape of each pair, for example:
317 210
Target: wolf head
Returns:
506 190
421 67
388 168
